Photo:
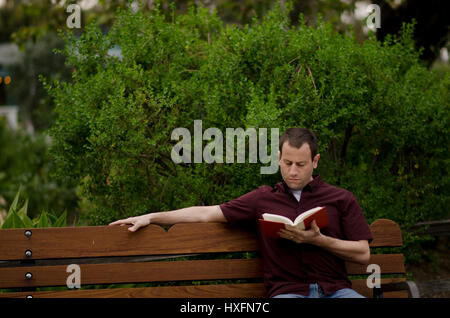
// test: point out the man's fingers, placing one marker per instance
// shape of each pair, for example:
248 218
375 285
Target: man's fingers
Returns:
116 222
289 227
287 234
123 221
136 222
136 226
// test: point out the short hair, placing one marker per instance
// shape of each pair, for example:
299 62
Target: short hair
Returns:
296 137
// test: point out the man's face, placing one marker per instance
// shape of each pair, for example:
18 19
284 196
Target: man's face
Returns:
296 165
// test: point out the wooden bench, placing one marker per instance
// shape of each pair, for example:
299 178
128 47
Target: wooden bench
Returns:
163 260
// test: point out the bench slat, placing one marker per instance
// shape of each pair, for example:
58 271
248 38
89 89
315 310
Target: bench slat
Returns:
389 264
385 233
133 272
254 290
202 291
167 271
96 241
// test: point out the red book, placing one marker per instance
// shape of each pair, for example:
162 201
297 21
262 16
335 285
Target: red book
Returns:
271 224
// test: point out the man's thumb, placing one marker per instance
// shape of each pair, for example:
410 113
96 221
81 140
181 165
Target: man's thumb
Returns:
314 226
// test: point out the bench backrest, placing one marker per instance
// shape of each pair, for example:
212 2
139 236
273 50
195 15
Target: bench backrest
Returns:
185 261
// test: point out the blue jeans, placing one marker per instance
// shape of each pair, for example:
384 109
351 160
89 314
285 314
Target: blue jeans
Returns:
315 291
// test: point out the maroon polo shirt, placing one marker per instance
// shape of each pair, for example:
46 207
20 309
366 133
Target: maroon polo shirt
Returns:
290 267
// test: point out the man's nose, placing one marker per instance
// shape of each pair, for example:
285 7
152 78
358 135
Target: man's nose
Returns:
293 171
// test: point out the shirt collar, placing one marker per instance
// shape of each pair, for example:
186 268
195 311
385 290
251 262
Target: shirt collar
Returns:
311 187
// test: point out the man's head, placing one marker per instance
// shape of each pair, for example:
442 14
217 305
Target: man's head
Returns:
298 157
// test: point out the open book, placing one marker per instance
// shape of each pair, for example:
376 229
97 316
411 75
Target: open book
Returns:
271 224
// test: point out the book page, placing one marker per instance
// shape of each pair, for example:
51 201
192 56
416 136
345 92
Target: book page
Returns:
277 218
304 215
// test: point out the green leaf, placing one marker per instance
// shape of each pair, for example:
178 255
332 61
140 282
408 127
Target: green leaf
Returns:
13 221
51 218
16 199
27 221
23 211
43 220
61 221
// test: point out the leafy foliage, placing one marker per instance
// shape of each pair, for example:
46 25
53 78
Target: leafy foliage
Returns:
382 119
18 218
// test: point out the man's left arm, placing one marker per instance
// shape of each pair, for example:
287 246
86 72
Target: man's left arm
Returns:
353 251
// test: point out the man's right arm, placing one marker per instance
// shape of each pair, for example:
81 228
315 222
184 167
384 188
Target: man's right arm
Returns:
192 214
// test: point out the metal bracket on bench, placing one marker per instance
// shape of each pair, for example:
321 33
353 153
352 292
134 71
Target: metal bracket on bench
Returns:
413 290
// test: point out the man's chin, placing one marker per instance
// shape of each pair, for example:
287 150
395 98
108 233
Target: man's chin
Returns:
294 186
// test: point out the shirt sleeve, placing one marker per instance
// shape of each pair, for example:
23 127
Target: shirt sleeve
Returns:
241 209
353 222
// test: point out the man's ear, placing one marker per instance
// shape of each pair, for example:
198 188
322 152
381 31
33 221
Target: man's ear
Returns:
316 160
279 155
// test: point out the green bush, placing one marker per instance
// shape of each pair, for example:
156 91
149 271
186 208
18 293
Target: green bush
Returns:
382 119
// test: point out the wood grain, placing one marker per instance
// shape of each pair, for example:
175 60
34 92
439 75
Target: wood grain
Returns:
133 272
255 290
95 241
389 264
385 233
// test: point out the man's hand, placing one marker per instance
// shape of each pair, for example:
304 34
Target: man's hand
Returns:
301 236
353 251
137 222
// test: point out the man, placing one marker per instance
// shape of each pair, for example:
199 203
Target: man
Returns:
304 263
